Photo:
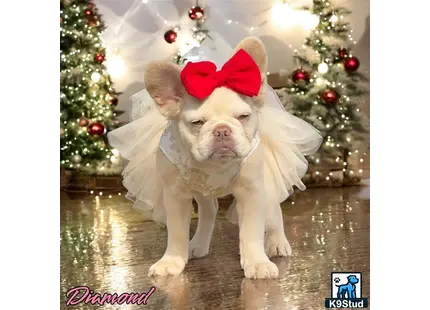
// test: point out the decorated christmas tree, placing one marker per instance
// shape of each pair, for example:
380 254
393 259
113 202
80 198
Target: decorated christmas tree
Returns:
326 89
199 33
87 96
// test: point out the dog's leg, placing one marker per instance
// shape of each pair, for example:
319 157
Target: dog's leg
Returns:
276 242
178 214
199 244
351 293
254 261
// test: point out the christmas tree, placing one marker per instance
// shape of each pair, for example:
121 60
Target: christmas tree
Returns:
87 96
199 33
326 89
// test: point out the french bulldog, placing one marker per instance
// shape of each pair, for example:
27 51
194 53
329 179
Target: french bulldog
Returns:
217 138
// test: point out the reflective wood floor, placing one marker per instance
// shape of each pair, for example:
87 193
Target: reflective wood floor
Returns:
107 246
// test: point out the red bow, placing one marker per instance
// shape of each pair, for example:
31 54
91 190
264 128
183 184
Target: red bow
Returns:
240 73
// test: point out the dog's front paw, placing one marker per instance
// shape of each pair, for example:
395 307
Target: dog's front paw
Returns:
197 249
261 270
278 245
171 265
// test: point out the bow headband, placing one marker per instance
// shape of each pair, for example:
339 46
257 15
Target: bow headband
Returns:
240 74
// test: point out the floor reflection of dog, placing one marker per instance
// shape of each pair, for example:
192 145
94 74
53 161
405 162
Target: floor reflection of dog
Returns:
348 288
265 294
177 290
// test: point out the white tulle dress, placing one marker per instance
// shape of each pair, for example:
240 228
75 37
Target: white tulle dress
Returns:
286 140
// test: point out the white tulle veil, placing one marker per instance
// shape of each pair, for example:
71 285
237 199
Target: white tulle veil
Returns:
286 138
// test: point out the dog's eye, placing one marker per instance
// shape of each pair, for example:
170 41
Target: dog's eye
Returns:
244 117
197 123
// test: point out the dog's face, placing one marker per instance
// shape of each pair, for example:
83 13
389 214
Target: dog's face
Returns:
219 128
352 279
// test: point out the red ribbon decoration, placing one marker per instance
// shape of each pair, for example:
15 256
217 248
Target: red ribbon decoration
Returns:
240 74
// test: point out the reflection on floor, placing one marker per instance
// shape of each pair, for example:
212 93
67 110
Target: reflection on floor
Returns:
107 246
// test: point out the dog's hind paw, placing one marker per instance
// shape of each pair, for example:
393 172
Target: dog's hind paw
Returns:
278 245
265 270
197 250
167 266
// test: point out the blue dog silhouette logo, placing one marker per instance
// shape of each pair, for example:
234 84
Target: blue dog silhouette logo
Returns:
346 289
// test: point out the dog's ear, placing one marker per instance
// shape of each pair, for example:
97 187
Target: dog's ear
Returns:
255 48
163 82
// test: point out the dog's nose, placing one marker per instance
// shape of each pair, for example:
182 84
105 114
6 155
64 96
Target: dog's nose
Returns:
222 132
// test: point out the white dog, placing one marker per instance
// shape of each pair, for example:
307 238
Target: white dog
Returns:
216 136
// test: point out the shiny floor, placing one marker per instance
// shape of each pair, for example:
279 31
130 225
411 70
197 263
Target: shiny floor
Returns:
108 247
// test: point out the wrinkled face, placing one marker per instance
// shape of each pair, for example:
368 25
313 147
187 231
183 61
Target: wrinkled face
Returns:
220 128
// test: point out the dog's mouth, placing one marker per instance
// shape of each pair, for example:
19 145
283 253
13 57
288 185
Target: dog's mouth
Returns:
223 153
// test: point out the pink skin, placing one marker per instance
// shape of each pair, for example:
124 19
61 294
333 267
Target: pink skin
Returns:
223 142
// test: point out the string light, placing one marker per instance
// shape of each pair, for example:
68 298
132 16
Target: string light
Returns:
323 68
95 77
334 19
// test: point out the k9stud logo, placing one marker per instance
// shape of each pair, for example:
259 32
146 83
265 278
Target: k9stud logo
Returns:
346 291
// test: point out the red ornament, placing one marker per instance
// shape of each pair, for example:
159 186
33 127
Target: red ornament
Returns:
170 36
90 5
351 64
329 96
88 12
300 76
342 53
196 13
96 129
99 58
114 101
61 20
83 122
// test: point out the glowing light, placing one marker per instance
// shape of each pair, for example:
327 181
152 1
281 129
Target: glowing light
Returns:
334 19
283 15
115 66
323 68
310 21
95 77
